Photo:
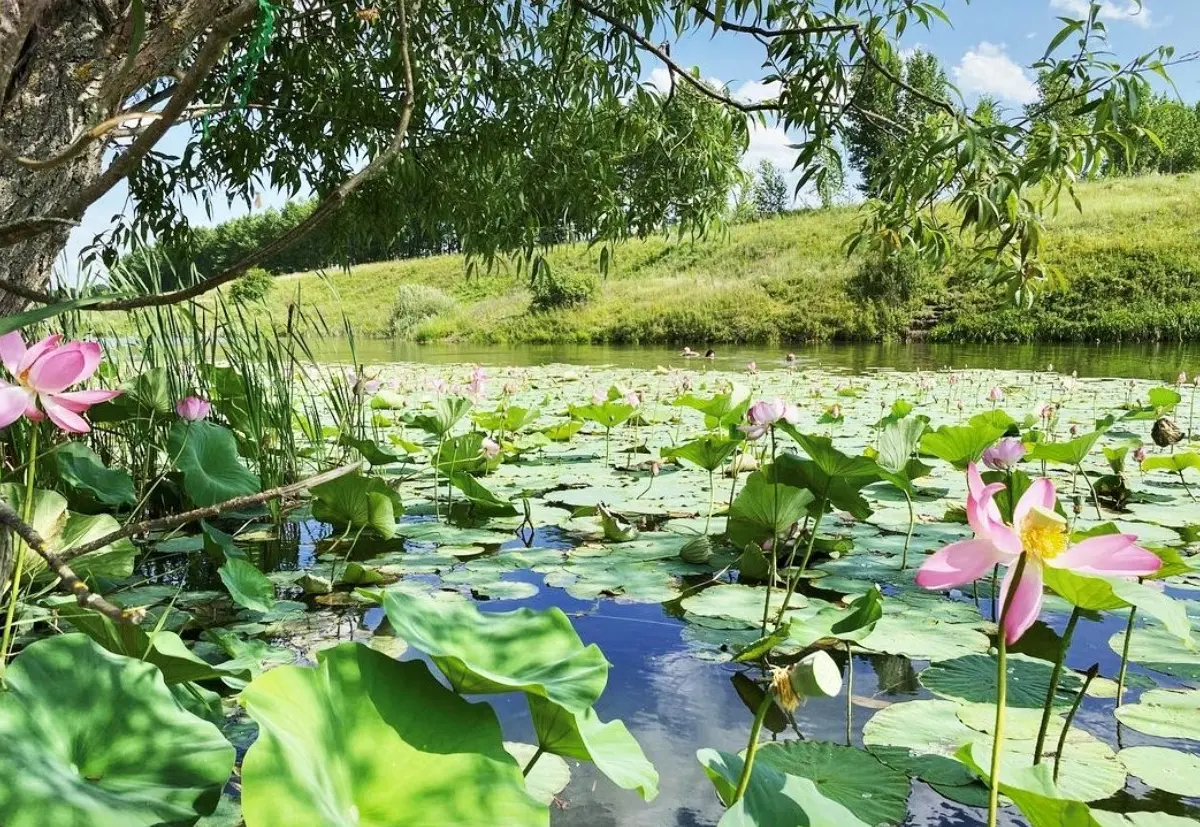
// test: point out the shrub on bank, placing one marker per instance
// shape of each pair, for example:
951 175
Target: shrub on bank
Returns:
414 304
255 286
556 289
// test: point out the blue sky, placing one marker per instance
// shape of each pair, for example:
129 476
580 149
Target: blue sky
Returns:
987 51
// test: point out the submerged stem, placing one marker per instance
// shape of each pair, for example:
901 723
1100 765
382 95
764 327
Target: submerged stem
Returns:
752 748
14 587
1125 656
1055 676
1062 738
1001 697
912 522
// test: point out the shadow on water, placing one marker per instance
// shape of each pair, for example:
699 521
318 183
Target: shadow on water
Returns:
1145 361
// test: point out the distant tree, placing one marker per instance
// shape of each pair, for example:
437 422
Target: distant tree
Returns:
770 190
885 113
1059 101
1169 143
987 111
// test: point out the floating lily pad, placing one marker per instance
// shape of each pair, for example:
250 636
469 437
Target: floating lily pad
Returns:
1165 713
737 605
1165 769
972 678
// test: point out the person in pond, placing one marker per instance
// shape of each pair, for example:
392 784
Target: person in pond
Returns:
710 354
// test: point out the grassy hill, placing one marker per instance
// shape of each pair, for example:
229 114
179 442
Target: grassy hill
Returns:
1131 261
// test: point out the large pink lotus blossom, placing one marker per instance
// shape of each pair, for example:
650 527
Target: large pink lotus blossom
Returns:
763 414
43 373
491 448
1038 532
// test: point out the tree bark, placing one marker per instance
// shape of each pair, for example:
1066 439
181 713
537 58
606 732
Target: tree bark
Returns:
69 72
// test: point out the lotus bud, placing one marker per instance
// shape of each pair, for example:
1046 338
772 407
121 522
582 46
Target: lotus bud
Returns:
960 404
996 394
815 675
1181 379
697 550
752 367
1050 368
1139 454
491 449
655 468
192 408
1077 505
1005 454
599 398
1074 430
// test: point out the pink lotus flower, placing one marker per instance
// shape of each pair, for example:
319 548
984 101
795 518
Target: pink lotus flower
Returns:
599 397
43 373
1005 454
763 415
996 394
478 384
1181 379
632 399
752 367
491 449
193 408
1039 533
1139 454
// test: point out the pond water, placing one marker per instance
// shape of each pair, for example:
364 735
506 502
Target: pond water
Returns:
671 679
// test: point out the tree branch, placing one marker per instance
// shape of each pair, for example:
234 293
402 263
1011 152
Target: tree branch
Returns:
827 28
174 520
223 30
700 86
329 204
69 581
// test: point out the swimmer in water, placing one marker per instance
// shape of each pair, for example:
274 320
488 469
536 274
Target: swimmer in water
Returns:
711 354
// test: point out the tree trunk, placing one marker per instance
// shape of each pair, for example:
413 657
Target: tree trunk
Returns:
69 73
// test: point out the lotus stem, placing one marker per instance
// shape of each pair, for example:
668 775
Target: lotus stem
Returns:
14 588
912 522
1095 496
711 499
849 696
1125 656
772 560
1055 676
808 550
538 754
1062 737
1001 698
752 748
1183 482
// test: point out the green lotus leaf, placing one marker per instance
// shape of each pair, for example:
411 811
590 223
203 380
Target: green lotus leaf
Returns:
537 652
736 605
207 456
1072 452
1177 462
247 585
356 502
972 678
772 798
1165 713
961 445
756 515
549 775
80 468
872 791
92 739
708 452
1032 789
446 414
1164 769
484 502
584 737
1156 648
64 530
363 740
371 451
607 415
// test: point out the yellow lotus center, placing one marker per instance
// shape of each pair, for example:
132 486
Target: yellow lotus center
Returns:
1044 533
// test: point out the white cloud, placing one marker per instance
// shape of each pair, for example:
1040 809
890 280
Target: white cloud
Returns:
988 70
660 79
1121 11
755 91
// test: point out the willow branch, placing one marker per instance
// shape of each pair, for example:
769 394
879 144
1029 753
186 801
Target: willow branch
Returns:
328 205
699 85
825 28
175 520
68 580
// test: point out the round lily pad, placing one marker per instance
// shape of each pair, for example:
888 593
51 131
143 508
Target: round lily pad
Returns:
1165 769
972 678
550 773
1164 713
736 604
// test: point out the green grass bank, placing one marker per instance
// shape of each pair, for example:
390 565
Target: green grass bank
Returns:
1131 261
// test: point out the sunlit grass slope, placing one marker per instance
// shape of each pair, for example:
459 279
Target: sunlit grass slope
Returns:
1131 261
